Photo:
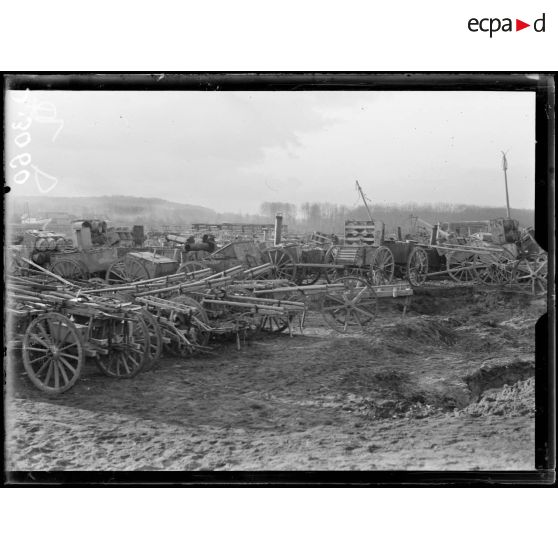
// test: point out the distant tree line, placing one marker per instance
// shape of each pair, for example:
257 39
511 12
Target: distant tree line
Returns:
330 218
310 216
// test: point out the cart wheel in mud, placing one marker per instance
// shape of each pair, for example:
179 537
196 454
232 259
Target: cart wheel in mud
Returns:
531 274
350 310
69 269
189 267
126 270
190 327
332 274
282 264
155 339
127 346
53 353
461 266
382 266
417 266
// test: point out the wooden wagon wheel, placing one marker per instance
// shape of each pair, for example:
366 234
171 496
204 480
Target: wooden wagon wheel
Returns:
53 353
382 266
417 266
332 274
461 266
531 274
155 339
193 332
128 345
282 264
126 270
495 268
189 267
350 310
67 268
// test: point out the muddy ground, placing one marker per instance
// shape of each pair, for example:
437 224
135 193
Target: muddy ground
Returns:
448 387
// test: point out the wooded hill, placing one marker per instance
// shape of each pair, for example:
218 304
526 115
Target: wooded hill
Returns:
324 217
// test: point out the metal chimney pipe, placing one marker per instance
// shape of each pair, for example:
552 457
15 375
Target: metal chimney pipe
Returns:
278 227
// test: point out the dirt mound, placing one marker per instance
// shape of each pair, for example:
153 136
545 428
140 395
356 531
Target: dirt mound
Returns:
497 373
512 401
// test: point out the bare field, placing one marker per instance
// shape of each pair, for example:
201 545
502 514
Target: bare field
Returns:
424 392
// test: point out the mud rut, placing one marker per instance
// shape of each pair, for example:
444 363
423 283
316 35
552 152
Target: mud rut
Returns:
455 375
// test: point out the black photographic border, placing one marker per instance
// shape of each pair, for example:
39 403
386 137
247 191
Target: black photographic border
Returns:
542 84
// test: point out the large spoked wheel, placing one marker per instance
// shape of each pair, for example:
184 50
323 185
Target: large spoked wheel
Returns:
382 266
69 269
348 311
127 347
155 339
417 266
332 274
461 266
53 354
126 270
531 274
191 266
495 268
282 264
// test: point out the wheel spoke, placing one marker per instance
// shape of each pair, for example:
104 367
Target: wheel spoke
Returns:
365 312
63 372
40 370
56 375
346 324
357 318
68 366
49 373
125 364
44 332
37 359
38 349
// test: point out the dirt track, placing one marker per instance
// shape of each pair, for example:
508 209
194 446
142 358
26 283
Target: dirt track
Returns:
420 393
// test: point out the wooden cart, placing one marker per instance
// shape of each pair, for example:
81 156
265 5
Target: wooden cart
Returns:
57 331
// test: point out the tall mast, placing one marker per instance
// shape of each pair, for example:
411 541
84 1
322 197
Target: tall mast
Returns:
505 167
364 200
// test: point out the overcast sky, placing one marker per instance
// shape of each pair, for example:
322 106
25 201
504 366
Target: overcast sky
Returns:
231 151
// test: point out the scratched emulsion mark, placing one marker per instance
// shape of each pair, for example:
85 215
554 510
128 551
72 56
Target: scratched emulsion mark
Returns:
29 110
